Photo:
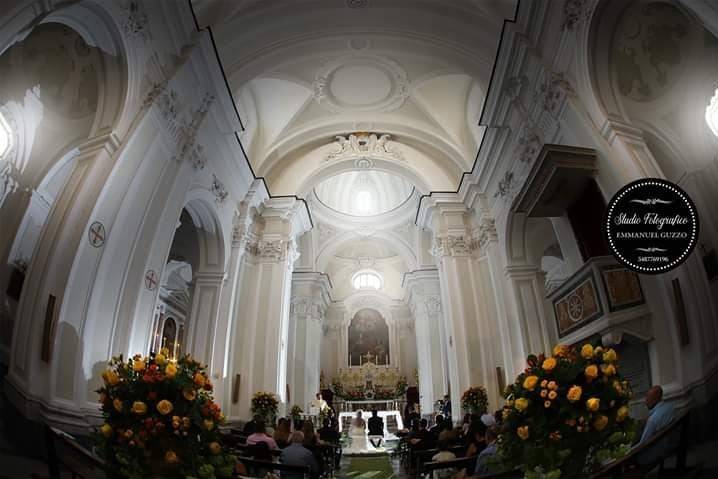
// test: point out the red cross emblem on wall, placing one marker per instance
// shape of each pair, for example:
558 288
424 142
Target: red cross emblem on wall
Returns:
151 279
96 234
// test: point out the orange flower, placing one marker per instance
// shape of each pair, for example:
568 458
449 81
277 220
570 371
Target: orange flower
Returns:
600 422
591 372
117 404
106 430
199 379
593 404
530 382
110 377
138 407
552 395
171 457
610 356
622 414
549 364
164 407
170 370
587 351
574 393
189 394
608 369
215 448
561 350
138 365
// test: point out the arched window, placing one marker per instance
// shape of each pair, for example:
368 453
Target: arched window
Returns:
367 280
5 136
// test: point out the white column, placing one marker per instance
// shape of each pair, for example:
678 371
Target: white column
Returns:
262 327
423 294
229 306
310 298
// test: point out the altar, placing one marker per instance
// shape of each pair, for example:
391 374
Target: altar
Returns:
392 422
369 404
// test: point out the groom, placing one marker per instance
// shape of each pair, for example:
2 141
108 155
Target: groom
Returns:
376 428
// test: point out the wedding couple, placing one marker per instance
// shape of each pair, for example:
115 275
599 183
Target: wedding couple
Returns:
361 442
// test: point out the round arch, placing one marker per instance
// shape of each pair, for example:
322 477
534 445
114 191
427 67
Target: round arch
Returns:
388 238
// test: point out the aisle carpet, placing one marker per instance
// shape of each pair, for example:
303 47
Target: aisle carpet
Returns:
375 467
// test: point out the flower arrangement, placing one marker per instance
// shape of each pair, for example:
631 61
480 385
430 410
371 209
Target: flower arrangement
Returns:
566 413
475 401
338 388
160 420
401 386
265 405
296 412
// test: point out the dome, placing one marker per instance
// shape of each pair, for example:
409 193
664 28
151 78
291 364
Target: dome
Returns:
364 193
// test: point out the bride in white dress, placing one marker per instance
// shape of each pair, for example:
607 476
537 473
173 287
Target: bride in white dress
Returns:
358 435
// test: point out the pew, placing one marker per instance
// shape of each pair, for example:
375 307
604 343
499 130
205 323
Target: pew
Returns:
458 464
261 467
65 453
669 442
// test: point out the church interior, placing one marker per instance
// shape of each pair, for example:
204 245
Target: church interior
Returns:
225 223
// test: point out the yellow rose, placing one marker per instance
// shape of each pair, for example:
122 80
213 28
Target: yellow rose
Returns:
622 414
608 369
164 407
549 364
170 370
138 407
208 424
544 383
161 359
523 432
593 404
199 379
215 448
591 372
530 382
552 395
587 351
138 365
544 393
521 404
106 430
574 393
171 457
552 385
600 422
165 352
560 350
610 356
110 377
189 394
117 404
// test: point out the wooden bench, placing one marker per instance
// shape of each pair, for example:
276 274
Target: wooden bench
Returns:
265 466
638 462
428 468
65 453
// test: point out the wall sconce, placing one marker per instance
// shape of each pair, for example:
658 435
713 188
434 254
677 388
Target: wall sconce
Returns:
712 113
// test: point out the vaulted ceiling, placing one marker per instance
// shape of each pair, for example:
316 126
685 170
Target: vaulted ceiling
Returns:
344 100
304 71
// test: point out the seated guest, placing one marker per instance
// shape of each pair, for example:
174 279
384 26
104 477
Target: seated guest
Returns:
376 428
444 455
310 437
251 426
260 435
282 433
660 415
475 438
438 426
327 433
449 433
297 455
484 463
422 439
489 420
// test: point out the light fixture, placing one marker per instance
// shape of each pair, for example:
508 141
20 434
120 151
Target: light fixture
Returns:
712 113
5 136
